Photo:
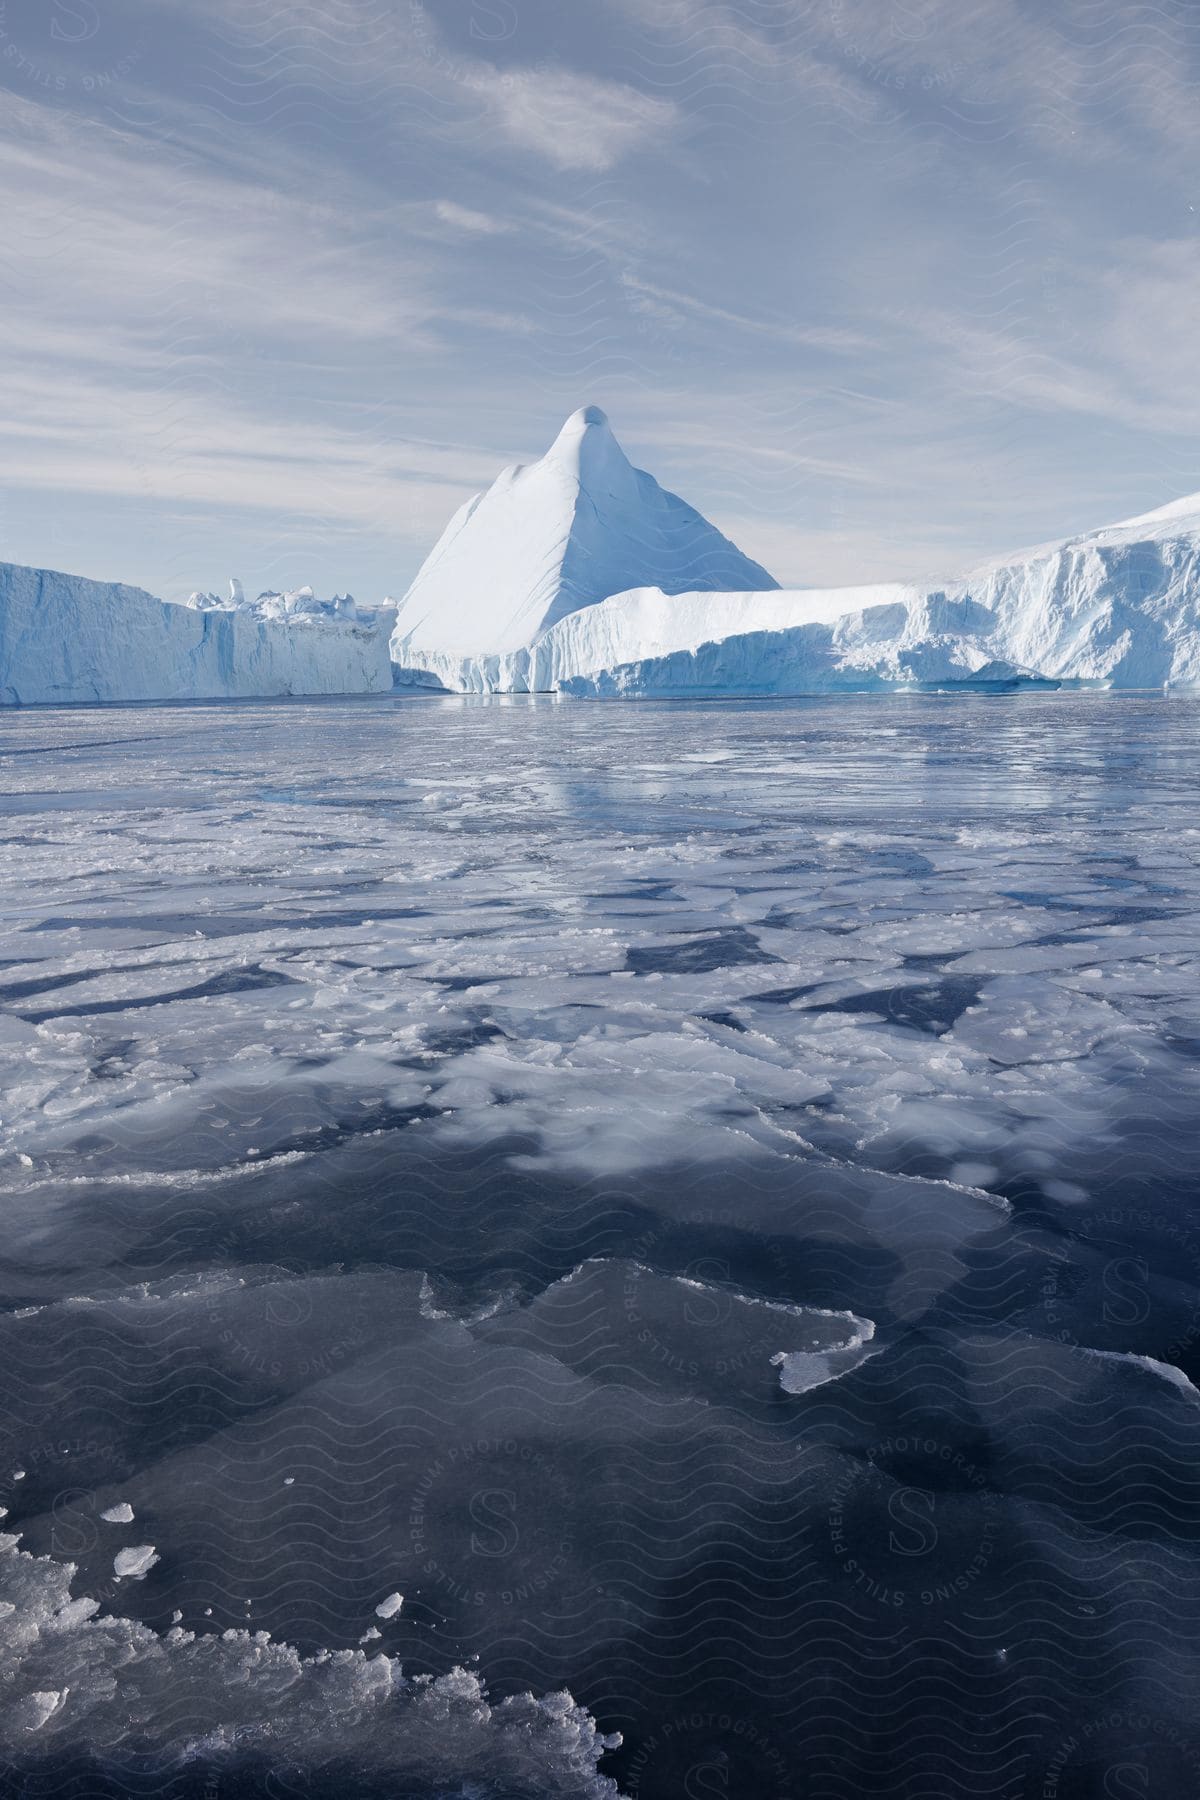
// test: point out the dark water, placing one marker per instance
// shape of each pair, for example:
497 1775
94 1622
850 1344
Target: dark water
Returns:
699 1198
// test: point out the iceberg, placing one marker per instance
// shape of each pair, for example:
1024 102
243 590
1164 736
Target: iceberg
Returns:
551 537
578 574
67 639
511 602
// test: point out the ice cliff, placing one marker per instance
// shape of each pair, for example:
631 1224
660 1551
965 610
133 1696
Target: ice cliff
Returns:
63 638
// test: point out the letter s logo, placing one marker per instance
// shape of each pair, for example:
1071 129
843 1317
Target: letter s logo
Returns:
912 1510
73 1529
706 1780
1126 1291
703 1306
286 1787
503 15
912 21
289 1303
1127 1781
74 23
494 1511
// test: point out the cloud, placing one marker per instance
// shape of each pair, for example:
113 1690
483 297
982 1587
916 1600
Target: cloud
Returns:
98 230
462 218
574 121
69 432
673 306
1120 346
893 281
177 334
369 53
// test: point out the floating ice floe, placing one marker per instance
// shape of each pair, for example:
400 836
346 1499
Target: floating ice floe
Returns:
135 1562
41 1706
841 1345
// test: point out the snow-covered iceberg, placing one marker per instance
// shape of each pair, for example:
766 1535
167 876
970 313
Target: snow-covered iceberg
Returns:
554 536
492 611
579 574
66 639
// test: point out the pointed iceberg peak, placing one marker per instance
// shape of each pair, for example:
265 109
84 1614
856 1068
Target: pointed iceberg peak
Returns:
588 421
580 421
585 442
552 536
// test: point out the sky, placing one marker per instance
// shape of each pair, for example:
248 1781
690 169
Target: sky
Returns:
883 287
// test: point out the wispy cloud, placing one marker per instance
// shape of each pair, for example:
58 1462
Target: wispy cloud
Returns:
463 218
97 229
678 307
574 121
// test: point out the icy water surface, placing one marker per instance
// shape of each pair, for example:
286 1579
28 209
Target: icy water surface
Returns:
699 1199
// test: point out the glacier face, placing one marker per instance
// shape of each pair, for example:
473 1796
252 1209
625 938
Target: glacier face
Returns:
66 639
554 536
1116 607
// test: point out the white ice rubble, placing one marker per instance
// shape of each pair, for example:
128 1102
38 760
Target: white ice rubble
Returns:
300 603
579 574
180 1698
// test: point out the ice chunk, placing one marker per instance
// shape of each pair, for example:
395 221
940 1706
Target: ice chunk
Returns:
840 1343
121 1514
42 1705
387 1609
1165 1371
134 1562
